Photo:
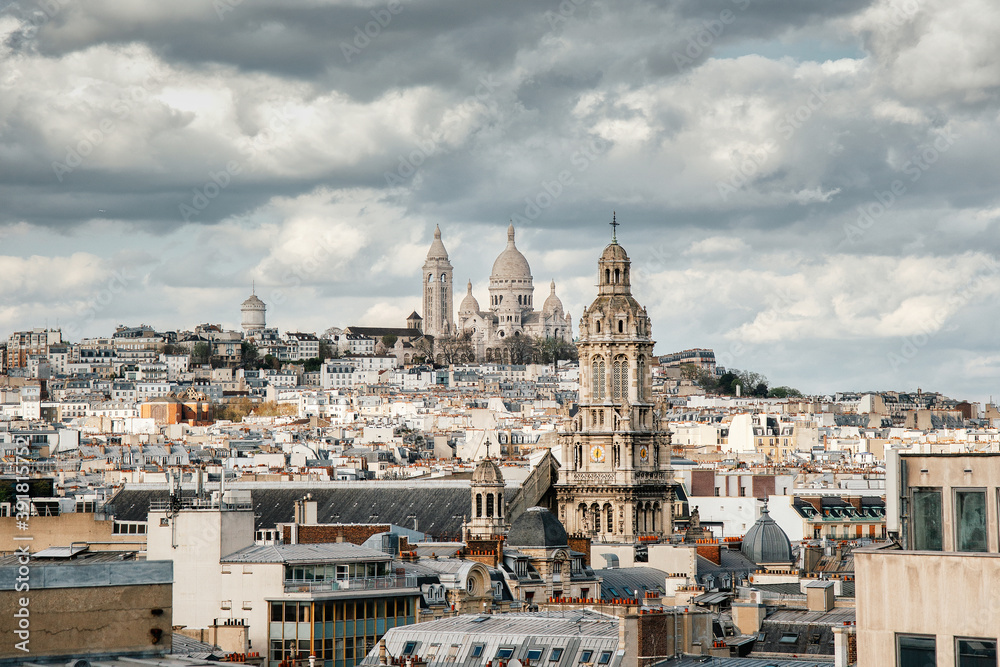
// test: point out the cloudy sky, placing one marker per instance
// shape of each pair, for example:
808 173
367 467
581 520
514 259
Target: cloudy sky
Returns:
808 188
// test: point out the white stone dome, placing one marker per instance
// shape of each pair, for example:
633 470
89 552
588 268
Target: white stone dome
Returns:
552 303
469 304
511 264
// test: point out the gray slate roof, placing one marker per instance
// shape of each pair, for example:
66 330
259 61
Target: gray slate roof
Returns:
439 509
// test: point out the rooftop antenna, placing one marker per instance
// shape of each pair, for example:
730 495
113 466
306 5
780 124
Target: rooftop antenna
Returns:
614 227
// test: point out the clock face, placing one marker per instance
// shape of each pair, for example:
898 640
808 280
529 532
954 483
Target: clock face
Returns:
643 454
597 454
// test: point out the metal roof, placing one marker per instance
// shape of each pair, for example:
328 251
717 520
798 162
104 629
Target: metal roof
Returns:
304 553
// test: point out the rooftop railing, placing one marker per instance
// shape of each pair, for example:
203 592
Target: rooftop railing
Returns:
351 584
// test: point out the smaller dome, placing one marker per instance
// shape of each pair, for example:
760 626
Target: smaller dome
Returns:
766 542
253 302
552 303
614 253
487 472
469 303
437 250
537 528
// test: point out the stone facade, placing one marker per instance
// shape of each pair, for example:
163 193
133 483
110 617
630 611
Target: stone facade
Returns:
615 482
511 311
439 306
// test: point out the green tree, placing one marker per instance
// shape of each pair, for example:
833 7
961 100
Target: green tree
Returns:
327 351
201 353
248 352
389 340
784 392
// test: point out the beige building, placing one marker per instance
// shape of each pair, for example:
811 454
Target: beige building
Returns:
615 481
932 600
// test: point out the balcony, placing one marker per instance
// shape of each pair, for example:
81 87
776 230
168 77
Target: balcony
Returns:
352 584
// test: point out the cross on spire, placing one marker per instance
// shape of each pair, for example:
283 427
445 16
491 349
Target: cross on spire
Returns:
614 227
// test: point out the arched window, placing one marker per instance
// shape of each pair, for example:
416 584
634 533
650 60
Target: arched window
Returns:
598 323
607 275
500 505
444 278
610 512
618 275
489 505
621 326
641 375
430 277
597 518
598 380
619 378
479 504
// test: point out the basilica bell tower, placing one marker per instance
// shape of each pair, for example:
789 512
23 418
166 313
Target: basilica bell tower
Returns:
615 481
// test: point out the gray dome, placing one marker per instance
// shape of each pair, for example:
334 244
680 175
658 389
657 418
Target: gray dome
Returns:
253 302
487 472
511 264
766 542
537 528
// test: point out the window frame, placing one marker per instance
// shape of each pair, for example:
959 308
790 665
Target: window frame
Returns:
536 658
507 651
914 490
555 655
958 641
907 635
586 656
955 491
477 650
604 658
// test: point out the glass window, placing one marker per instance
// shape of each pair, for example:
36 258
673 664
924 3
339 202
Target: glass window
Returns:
916 651
976 653
505 652
555 655
788 638
409 648
477 650
970 520
586 656
926 523
605 658
534 655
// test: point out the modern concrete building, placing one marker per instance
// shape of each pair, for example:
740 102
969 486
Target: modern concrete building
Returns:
929 599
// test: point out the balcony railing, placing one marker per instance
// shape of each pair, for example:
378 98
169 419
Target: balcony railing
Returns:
352 584
194 503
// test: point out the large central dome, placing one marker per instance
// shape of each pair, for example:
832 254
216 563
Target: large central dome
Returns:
511 264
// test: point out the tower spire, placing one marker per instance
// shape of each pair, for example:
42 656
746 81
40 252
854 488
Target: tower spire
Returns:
614 227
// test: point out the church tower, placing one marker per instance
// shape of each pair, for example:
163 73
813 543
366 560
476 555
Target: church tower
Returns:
439 319
487 502
615 482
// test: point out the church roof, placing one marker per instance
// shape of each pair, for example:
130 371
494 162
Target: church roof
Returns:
511 264
552 303
437 249
766 542
413 316
469 303
614 252
487 472
537 527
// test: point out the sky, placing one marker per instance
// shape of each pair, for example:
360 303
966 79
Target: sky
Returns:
810 189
